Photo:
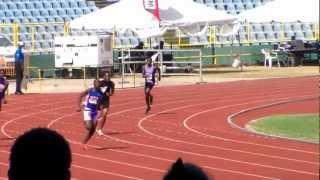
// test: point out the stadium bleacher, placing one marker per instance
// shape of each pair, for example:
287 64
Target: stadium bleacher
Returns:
51 15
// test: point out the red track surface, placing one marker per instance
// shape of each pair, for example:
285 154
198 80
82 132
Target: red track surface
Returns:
186 121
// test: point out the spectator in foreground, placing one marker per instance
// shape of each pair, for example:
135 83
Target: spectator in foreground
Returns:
40 154
185 171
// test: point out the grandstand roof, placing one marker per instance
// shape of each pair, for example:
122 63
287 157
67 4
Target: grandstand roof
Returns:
284 11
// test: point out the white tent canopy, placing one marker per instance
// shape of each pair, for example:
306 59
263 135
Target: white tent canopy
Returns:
124 14
284 11
130 14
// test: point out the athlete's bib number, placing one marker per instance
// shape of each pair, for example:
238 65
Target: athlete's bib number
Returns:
93 100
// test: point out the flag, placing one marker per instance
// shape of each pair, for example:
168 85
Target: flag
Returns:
152 6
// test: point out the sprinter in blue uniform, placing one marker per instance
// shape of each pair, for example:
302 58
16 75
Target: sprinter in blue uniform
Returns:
90 109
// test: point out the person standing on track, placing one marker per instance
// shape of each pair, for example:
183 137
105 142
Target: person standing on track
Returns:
107 89
19 67
149 73
90 110
3 88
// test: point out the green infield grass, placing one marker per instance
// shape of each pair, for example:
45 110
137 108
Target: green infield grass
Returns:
302 126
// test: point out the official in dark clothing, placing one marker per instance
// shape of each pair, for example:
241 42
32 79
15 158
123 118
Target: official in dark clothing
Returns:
19 67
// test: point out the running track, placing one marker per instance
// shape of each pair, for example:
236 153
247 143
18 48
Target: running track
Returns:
186 121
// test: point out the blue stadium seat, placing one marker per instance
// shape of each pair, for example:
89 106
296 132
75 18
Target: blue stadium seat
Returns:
47 5
24 29
256 4
218 1
29 5
73 4
59 19
276 27
15 20
59 28
239 6
247 1
299 35
51 19
48 36
125 41
51 43
118 42
200 1
33 19
270 36
64 4
70 12
8 13
306 26
44 13
11 6
38 36
242 29
46 45
55 4
86 10
230 7
26 13
287 27
25 20
227 1
21 6
257 27
2 14
61 12
53 13
67 18
42 19
35 13
38 5
41 29
78 12
18 13
209 3
3 6
50 28
248 5
91 3
219 6
82 4
309 34
260 36
289 34
6 30
296 26
23 37
267 27
6 20
243 37
27 45
37 45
